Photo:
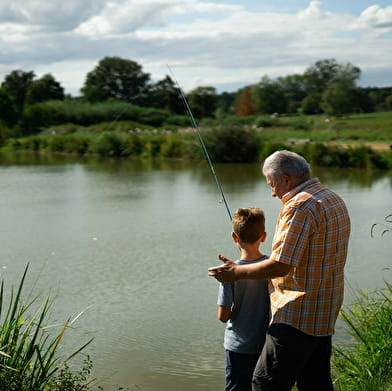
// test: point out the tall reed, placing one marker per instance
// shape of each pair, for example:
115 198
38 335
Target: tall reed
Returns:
365 364
28 349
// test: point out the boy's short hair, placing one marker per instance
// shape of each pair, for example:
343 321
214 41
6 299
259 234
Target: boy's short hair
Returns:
248 224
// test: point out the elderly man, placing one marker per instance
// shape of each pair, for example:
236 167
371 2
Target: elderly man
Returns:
306 269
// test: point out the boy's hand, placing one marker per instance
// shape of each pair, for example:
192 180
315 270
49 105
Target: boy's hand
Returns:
224 273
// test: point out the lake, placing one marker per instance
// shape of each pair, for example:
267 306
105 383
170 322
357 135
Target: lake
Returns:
129 243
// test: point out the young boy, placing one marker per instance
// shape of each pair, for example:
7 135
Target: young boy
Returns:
245 304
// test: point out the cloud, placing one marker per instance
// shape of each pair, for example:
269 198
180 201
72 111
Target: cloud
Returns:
374 19
212 43
51 15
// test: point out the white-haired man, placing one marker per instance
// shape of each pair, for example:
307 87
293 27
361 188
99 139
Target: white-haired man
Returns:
306 269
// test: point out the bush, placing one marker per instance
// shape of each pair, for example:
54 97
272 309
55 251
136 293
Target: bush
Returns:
232 144
73 143
109 144
266 122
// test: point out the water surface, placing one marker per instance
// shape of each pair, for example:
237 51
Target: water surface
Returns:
130 243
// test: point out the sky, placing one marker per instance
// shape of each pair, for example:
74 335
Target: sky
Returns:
220 43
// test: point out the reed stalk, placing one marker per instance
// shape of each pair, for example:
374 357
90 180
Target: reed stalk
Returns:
28 348
365 363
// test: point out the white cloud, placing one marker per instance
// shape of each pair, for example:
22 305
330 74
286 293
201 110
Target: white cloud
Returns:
50 15
374 20
212 42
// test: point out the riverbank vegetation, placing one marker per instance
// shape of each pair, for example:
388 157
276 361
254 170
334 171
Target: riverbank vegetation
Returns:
361 140
365 363
29 346
321 113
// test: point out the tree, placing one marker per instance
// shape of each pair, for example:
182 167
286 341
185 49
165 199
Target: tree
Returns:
43 89
293 87
226 102
116 78
164 94
8 110
16 84
319 76
245 103
339 98
203 101
270 96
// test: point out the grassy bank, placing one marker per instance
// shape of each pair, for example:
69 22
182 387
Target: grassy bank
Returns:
358 141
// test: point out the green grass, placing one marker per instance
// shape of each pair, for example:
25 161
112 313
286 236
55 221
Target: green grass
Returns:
365 363
29 359
359 127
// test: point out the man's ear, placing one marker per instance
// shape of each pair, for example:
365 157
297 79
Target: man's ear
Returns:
235 237
263 237
285 179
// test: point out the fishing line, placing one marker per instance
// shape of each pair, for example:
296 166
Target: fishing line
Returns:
203 145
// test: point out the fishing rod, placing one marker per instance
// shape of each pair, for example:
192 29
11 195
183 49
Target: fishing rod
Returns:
203 145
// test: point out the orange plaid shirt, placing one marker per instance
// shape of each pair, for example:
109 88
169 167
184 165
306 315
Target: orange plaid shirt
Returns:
312 236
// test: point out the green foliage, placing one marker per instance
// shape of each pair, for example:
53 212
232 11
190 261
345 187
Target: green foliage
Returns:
177 120
66 380
366 363
175 147
266 122
117 78
44 89
339 98
35 117
109 144
28 350
203 101
232 144
73 143
301 123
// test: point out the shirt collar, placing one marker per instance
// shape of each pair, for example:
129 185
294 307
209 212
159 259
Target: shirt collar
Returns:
295 190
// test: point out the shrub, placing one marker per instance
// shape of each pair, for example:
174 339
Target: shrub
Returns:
109 144
232 144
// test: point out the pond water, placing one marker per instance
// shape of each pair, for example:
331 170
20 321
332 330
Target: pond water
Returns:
129 243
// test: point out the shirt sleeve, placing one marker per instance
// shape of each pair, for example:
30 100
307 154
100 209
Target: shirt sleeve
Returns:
225 294
292 236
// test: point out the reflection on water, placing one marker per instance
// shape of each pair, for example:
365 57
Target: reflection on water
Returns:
130 241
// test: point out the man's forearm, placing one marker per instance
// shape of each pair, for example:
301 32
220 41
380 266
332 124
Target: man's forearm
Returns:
262 270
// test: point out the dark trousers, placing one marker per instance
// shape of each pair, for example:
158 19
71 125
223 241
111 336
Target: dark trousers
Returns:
292 357
239 371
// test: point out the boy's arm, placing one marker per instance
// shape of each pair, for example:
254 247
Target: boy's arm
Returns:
224 313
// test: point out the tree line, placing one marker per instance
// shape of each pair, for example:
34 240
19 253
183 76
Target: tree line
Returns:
326 86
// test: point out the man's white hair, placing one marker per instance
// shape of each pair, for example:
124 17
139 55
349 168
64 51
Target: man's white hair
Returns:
286 163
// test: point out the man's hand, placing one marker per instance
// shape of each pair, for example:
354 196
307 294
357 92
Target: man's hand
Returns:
224 273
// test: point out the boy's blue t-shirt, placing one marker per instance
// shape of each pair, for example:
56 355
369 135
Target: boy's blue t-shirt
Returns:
250 302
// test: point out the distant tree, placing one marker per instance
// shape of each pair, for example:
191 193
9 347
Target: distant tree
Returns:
44 89
270 96
245 103
311 104
116 78
203 101
320 75
388 102
16 84
8 110
165 95
364 101
339 98
226 103
294 91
